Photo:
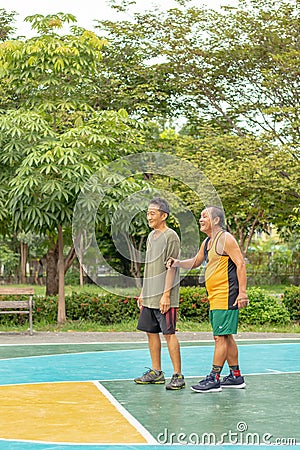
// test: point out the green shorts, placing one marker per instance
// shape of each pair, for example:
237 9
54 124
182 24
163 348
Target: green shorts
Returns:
224 321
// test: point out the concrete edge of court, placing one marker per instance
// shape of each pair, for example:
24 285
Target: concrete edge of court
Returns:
98 337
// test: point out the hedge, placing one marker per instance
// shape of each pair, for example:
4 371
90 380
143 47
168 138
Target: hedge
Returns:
291 300
263 309
194 306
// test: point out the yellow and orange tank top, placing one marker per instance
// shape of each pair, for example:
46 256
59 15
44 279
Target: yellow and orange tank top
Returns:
221 280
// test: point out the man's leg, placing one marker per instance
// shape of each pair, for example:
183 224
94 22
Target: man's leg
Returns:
232 352
221 350
177 381
234 379
148 323
154 375
212 382
154 343
174 351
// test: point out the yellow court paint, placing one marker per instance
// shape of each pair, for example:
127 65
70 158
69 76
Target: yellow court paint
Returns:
62 412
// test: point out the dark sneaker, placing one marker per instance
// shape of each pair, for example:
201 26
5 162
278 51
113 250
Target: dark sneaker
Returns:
152 376
210 384
177 382
230 381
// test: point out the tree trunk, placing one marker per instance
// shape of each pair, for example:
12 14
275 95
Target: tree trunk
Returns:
61 314
81 274
52 274
136 265
24 252
69 259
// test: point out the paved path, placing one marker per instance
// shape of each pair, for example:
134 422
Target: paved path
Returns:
78 338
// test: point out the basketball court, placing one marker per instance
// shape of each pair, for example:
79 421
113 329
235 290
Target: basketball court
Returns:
82 396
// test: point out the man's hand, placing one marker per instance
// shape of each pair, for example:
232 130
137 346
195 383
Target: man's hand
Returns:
164 304
172 262
140 302
242 301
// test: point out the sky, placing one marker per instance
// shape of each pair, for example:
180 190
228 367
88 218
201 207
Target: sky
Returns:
86 11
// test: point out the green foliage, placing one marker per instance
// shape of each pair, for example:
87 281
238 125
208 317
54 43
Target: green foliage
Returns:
46 24
291 300
273 259
6 21
101 309
104 309
54 135
51 168
263 309
235 70
109 309
50 73
238 65
72 276
193 304
9 259
250 188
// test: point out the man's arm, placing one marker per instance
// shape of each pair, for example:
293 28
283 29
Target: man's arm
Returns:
232 249
188 263
165 301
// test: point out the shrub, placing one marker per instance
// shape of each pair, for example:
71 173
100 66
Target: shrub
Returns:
193 304
45 308
291 299
111 308
108 309
104 309
263 309
72 277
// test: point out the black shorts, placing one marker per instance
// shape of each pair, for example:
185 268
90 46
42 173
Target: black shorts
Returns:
153 321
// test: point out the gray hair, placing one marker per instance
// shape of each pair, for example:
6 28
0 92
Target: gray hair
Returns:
216 211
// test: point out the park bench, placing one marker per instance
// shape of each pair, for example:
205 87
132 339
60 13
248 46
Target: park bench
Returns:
18 306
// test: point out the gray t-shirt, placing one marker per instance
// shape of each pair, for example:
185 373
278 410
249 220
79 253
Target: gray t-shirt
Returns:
159 249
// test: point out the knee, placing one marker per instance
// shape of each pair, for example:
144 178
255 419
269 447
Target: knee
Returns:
169 337
153 337
220 339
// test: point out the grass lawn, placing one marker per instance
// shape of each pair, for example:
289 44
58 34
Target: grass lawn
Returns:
93 289
130 326
88 288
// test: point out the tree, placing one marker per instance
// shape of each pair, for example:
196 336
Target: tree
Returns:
236 71
52 138
244 177
130 80
238 66
6 24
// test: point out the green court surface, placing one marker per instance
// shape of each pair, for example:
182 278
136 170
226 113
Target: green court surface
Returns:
82 396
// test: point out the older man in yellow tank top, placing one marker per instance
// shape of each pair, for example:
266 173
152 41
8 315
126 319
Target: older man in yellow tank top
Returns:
225 281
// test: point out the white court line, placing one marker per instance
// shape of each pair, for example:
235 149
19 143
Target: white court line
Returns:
132 420
52 355
119 350
79 343
263 338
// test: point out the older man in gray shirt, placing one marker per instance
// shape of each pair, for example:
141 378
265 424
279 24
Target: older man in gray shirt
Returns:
159 299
